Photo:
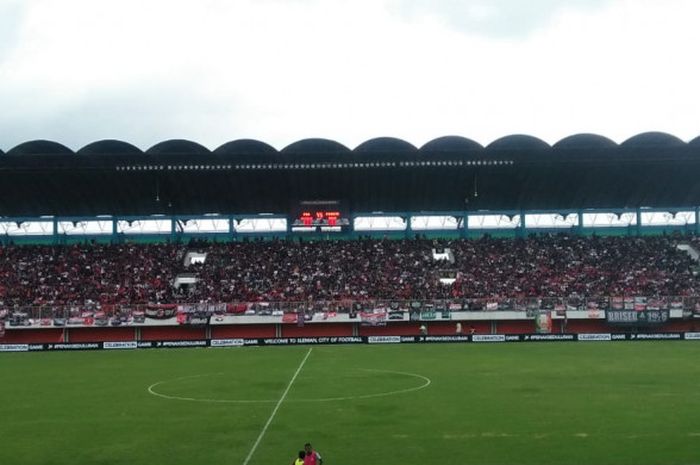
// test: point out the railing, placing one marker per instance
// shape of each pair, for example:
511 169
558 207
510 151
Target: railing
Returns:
16 315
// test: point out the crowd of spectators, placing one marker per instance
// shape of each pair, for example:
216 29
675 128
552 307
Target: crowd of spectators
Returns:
364 269
87 273
565 266
320 270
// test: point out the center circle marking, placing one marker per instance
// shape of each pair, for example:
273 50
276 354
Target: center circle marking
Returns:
425 383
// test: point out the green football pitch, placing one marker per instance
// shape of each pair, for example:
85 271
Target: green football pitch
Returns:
448 404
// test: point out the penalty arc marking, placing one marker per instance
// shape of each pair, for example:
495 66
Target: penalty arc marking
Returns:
425 383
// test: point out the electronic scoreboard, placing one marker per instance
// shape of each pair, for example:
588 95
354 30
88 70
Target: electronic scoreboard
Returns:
319 216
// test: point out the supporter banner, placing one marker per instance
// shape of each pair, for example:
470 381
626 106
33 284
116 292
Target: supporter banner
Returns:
428 315
161 312
640 303
635 317
373 319
199 321
543 322
289 317
192 319
2 329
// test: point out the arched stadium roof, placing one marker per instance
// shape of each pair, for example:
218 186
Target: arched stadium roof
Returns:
386 145
653 139
40 147
383 174
519 143
454 144
584 142
245 147
178 147
315 147
109 147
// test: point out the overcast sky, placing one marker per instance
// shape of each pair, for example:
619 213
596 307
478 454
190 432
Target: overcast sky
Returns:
143 71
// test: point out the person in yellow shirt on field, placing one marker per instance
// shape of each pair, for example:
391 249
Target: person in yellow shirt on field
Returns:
300 460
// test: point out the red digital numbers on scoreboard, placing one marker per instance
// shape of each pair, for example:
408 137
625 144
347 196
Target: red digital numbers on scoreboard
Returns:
320 215
306 218
331 217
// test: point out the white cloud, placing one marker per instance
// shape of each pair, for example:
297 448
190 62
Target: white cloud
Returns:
213 71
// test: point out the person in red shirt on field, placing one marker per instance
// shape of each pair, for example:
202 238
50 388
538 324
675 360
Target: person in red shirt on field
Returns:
312 457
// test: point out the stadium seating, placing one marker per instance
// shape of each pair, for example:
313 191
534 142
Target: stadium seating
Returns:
540 266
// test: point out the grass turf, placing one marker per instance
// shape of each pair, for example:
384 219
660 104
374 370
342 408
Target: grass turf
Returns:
546 403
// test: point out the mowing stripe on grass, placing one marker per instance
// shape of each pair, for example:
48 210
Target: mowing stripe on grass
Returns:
274 411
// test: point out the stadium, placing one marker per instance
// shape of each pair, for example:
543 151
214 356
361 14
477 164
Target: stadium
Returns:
452 303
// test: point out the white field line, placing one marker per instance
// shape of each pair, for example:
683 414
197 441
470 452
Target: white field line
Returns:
274 411
426 383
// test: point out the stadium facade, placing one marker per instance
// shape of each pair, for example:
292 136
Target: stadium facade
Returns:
518 184
111 188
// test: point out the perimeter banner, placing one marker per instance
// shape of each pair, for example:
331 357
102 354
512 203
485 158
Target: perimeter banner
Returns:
288 341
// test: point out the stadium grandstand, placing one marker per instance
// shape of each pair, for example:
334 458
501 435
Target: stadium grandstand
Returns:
586 232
